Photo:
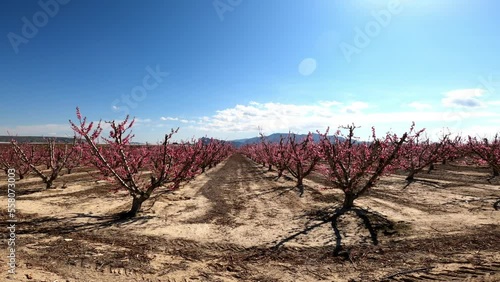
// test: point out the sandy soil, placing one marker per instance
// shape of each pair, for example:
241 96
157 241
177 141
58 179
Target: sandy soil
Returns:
225 226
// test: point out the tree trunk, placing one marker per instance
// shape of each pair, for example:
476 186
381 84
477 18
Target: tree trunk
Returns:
280 173
300 185
136 206
348 201
270 168
496 172
431 168
411 177
496 205
50 180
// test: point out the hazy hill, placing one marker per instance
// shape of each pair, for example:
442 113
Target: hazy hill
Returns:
41 139
275 137
33 139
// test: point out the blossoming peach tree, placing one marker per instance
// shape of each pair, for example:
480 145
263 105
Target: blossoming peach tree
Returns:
55 156
140 170
354 167
487 151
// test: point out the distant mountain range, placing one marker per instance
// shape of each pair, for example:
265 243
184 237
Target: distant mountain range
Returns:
34 139
41 139
275 137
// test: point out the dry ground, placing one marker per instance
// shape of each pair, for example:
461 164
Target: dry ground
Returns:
223 226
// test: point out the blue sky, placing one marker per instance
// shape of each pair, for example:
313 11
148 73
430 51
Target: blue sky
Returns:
226 68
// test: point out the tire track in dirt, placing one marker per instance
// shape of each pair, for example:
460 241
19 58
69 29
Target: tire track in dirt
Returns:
456 272
246 210
222 190
240 192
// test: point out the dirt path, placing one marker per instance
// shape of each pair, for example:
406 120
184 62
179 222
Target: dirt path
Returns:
223 226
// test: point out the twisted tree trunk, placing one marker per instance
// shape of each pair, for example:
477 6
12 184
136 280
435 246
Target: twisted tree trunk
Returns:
136 206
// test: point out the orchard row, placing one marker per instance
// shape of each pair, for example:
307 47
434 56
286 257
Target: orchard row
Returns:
139 169
354 166
351 165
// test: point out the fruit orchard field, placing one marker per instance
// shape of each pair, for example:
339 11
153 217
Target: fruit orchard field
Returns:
224 224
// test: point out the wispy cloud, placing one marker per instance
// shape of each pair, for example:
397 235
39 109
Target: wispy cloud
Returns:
330 103
169 118
181 120
354 108
140 120
279 117
467 98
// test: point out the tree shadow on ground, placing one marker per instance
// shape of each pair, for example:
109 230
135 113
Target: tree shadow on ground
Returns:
278 191
372 221
25 191
76 223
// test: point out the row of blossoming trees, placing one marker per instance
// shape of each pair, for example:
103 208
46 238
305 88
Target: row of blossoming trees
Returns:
354 166
350 164
141 170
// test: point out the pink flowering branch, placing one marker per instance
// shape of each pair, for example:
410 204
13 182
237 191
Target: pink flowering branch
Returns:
129 165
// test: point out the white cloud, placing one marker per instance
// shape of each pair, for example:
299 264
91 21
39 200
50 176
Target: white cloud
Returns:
329 103
177 119
169 118
278 117
464 98
420 106
494 103
355 108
